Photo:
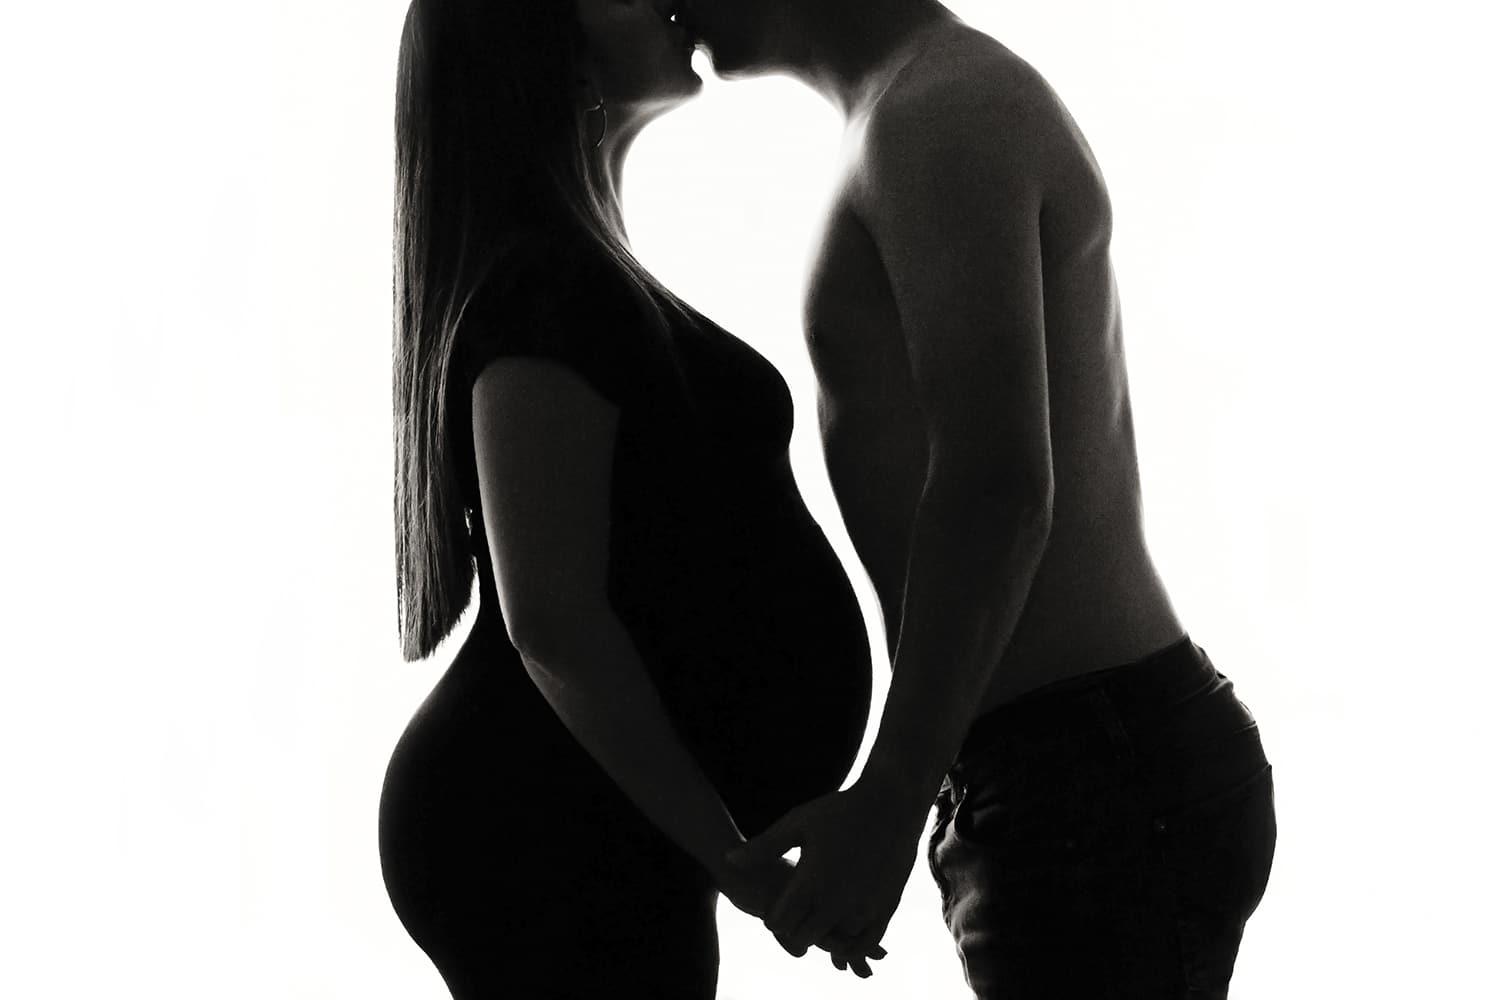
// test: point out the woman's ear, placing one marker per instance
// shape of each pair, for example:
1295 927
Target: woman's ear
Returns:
589 96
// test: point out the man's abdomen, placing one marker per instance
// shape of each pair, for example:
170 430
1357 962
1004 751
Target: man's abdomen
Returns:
1097 602
877 462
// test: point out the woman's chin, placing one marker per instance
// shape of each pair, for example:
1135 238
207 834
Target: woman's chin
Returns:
668 94
682 90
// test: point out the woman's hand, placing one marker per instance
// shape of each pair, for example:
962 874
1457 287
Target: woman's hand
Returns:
755 886
857 848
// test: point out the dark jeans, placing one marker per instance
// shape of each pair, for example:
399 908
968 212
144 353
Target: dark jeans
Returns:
1108 836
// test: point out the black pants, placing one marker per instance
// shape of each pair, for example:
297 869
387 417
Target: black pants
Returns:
1108 836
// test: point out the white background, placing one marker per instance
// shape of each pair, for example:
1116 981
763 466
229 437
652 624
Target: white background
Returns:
201 682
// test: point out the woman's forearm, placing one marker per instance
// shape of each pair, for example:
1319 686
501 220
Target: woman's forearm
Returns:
592 676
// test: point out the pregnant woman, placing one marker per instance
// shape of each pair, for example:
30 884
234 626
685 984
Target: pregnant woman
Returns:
667 654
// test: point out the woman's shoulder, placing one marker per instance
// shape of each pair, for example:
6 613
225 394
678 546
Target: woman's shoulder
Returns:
549 275
563 300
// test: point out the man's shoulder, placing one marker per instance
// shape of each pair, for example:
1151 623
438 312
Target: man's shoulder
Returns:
967 88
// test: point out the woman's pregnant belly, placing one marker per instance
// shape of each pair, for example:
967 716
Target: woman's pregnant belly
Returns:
761 657
772 687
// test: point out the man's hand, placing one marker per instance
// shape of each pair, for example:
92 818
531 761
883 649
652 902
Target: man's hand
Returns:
858 847
753 884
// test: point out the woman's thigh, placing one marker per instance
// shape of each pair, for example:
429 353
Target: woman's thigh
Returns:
659 942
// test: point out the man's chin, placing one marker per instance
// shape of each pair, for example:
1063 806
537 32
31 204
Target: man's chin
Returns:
724 65
727 70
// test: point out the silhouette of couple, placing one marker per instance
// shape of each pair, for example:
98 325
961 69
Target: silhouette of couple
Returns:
668 660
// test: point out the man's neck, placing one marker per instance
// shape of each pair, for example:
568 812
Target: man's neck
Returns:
848 52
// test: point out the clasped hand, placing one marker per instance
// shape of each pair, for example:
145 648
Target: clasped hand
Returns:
754 883
857 853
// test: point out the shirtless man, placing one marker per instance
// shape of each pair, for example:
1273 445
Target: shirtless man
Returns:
965 330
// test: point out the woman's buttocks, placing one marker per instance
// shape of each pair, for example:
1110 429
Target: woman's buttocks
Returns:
483 726
485 760
492 813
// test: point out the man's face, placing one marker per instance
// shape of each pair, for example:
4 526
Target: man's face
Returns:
740 35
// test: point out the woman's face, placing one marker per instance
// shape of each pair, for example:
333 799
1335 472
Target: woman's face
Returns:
635 53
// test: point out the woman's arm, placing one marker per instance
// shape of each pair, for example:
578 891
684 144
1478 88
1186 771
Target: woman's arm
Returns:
544 446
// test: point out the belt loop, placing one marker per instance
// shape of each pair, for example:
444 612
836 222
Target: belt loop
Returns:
1107 713
953 786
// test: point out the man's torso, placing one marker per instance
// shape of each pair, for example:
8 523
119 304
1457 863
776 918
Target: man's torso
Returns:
1097 600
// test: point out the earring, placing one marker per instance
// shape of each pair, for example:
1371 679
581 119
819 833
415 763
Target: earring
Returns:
599 106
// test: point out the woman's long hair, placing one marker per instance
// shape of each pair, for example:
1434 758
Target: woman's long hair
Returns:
489 153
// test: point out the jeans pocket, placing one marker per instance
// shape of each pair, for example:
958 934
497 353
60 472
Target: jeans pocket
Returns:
939 830
1217 855
1047 816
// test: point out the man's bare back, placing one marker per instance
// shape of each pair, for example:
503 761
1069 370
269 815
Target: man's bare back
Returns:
1096 600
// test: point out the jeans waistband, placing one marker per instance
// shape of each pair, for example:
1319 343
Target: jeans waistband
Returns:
1133 691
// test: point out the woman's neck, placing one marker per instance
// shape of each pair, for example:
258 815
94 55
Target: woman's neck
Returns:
622 126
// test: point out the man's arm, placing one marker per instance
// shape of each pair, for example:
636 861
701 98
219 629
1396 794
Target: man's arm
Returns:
952 195
955 206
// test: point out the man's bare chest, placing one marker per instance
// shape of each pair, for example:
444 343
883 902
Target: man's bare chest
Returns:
851 318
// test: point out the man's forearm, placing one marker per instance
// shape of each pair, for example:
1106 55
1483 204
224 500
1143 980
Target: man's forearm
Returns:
969 572
594 680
